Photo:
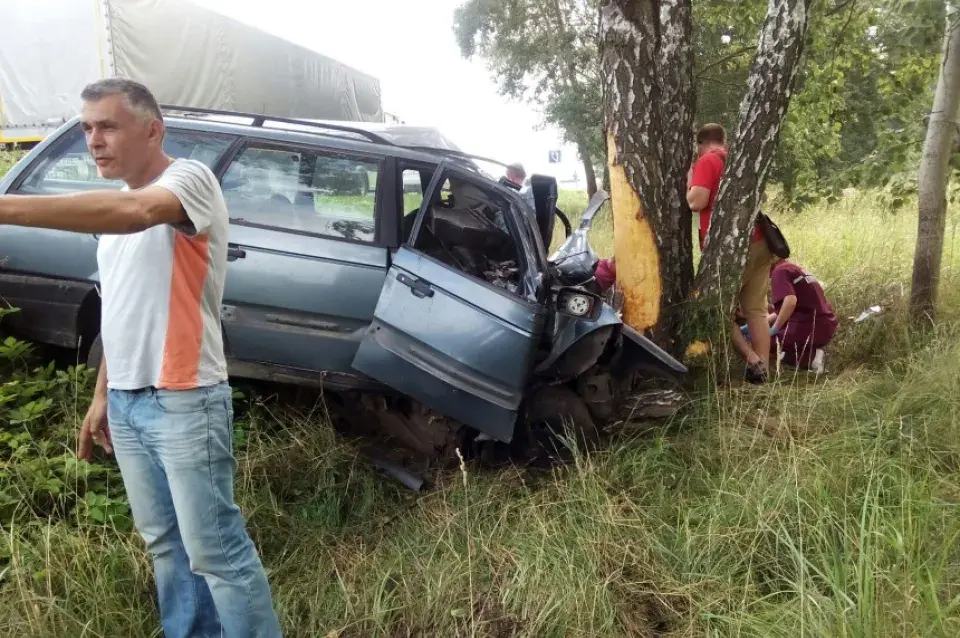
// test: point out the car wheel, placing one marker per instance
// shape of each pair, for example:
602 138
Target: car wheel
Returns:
556 419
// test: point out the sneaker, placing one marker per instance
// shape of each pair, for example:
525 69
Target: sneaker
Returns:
817 365
755 374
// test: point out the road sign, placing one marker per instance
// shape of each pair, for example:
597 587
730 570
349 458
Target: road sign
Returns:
553 157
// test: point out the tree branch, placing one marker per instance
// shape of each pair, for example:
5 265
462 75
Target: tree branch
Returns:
840 7
730 56
721 82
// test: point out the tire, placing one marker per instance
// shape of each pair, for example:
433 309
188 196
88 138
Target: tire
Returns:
554 415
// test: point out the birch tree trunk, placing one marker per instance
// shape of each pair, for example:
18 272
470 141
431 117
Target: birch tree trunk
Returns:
934 175
647 69
762 112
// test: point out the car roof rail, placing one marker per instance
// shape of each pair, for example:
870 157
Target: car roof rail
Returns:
259 119
460 155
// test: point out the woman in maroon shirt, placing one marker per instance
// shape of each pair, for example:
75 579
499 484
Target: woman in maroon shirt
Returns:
804 322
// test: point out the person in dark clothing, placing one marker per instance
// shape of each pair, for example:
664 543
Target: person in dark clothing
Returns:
804 322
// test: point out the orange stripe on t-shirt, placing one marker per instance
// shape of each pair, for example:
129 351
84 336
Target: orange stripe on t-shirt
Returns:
181 348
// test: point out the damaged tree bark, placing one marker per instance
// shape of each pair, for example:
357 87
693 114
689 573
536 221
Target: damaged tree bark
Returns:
934 176
762 112
647 69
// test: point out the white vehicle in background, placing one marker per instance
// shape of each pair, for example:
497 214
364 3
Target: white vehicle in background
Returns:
187 55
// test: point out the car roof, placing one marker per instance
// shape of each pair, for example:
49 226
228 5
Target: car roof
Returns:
416 143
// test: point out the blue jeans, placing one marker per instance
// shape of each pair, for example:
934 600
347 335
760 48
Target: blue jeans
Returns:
174 448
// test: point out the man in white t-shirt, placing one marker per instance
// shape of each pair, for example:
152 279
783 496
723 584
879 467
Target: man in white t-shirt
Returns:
162 401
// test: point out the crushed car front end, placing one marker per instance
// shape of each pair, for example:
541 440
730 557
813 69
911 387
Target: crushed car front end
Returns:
596 370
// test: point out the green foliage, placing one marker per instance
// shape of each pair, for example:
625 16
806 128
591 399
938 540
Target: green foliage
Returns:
821 507
40 476
8 159
725 40
857 117
543 52
867 85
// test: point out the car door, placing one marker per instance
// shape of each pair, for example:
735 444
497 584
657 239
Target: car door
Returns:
306 264
462 343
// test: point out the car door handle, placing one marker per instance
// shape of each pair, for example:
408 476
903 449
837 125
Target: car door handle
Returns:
418 287
235 252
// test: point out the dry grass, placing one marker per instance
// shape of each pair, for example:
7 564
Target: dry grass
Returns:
826 507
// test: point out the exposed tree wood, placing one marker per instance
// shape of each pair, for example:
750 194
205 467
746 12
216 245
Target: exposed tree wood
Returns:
934 176
762 112
634 243
648 110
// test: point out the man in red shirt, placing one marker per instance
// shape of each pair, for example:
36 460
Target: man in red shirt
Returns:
702 188
805 321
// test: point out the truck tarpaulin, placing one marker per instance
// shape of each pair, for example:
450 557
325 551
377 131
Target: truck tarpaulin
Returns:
186 54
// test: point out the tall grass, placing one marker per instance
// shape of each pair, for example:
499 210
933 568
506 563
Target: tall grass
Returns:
795 510
807 507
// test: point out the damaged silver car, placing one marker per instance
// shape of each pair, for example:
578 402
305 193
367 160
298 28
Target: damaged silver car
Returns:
430 315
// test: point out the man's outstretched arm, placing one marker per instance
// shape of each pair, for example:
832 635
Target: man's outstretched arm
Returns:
106 212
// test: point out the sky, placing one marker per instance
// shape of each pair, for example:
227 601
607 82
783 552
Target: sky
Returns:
397 41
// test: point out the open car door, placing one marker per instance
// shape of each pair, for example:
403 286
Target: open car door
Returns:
455 327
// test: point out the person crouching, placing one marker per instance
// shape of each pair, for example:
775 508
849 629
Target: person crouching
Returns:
803 322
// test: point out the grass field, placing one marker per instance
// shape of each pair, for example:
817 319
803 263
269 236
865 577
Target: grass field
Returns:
808 507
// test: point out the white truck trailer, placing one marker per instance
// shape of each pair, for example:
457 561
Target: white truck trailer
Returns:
186 54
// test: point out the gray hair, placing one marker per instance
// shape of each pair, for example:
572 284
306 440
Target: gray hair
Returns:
138 97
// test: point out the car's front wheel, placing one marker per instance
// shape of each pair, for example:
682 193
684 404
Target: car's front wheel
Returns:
558 424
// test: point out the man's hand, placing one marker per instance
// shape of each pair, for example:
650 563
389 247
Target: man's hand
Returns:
95 429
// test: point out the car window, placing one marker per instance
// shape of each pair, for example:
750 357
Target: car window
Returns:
69 167
304 190
465 227
412 190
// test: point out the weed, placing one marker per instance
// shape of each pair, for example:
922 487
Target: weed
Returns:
822 506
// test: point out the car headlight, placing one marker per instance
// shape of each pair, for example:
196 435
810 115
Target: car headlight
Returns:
576 303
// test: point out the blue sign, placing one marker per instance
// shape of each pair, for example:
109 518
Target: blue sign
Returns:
553 157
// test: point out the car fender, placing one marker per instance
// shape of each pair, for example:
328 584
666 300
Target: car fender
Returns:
578 343
636 348
54 311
